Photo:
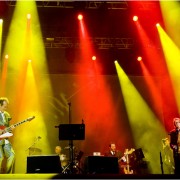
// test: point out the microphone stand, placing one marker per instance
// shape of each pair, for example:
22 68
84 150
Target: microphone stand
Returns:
35 141
161 162
71 152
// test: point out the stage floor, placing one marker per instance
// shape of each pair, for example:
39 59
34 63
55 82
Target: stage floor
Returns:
87 176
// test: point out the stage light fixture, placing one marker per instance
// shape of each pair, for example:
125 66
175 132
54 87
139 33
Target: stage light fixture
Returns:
80 16
157 24
135 18
28 16
6 56
139 58
93 58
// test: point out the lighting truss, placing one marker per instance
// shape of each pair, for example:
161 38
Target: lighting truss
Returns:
99 42
85 4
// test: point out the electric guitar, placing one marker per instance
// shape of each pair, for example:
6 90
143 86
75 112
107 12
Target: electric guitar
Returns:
127 167
5 132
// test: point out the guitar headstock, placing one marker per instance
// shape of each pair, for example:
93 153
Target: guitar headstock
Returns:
30 118
129 151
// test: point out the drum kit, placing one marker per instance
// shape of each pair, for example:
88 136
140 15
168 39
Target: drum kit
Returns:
66 163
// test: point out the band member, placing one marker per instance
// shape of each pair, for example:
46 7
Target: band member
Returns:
6 149
175 144
63 159
167 157
113 152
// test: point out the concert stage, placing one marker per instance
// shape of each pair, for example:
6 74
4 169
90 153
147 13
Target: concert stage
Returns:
87 176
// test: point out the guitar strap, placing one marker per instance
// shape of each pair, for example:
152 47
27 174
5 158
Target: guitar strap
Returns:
2 123
3 118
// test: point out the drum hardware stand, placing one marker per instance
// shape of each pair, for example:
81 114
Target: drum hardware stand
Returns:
74 165
78 159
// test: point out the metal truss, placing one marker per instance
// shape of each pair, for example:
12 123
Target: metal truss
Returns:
99 42
121 4
79 4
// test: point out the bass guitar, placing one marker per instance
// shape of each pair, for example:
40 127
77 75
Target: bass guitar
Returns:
5 132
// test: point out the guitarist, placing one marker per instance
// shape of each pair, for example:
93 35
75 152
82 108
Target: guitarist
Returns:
6 149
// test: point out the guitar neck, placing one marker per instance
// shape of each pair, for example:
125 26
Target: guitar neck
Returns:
15 125
19 123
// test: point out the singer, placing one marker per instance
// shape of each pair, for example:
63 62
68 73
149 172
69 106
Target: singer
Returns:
175 144
6 149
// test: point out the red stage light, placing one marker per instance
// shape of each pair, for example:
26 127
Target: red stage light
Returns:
93 58
80 16
135 18
139 58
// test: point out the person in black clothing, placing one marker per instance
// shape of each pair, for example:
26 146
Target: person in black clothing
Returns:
113 152
175 144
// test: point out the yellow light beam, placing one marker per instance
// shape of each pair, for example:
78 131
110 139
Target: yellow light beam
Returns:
172 57
145 126
24 42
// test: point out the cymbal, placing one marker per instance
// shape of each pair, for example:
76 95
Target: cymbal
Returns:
68 147
35 149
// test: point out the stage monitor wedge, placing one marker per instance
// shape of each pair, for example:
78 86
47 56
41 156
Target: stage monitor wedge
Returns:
43 164
71 131
101 165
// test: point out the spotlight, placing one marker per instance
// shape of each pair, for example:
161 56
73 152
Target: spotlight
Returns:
6 56
80 16
1 21
139 58
116 61
157 24
135 18
29 60
28 16
93 58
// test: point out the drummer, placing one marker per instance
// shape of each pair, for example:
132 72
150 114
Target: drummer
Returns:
63 159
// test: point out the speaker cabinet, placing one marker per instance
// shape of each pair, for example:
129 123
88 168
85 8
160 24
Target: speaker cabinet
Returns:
43 164
71 131
101 165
